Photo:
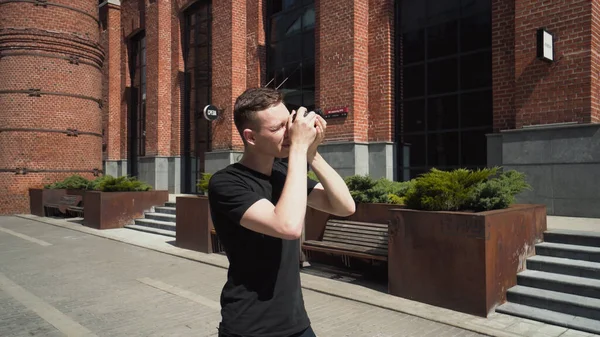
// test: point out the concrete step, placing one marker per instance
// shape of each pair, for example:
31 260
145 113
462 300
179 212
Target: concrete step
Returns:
170 204
160 216
575 305
165 210
572 237
550 317
152 230
561 283
156 224
564 266
575 252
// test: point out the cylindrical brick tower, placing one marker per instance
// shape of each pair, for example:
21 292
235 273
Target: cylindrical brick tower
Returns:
50 95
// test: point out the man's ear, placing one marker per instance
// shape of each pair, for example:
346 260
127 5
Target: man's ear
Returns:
248 135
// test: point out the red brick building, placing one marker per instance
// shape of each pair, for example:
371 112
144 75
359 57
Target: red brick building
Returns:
422 83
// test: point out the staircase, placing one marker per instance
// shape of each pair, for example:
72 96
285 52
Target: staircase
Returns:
561 285
161 221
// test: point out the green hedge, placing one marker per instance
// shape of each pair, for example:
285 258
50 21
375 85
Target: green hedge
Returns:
105 183
436 190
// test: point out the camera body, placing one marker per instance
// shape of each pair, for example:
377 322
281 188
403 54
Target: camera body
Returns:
318 111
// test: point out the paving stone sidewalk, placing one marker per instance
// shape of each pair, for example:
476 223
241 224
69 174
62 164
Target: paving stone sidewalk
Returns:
117 289
56 282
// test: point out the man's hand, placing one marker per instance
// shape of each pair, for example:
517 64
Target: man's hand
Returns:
301 129
320 125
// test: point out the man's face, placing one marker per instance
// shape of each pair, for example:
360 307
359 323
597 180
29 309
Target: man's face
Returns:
271 137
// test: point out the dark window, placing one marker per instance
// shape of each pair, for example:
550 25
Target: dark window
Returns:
197 94
291 51
444 91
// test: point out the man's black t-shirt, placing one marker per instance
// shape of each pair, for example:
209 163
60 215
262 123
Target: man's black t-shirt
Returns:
262 295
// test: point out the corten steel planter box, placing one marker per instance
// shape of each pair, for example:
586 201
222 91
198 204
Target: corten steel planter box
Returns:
194 224
461 261
315 220
107 210
40 196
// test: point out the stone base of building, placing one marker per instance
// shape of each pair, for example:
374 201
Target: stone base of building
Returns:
562 164
376 159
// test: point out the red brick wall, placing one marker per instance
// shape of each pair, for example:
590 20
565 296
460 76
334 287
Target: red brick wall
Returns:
256 51
111 82
229 68
381 70
343 62
49 31
542 92
503 63
595 62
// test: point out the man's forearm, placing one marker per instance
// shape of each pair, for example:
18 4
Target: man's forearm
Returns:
339 197
289 207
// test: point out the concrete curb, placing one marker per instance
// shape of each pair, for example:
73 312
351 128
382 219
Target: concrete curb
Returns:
318 284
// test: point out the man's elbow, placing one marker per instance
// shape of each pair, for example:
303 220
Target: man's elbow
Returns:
346 210
292 231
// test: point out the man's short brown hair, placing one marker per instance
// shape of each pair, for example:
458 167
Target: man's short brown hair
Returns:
250 102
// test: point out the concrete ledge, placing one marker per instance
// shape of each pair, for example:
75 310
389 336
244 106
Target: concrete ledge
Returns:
495 325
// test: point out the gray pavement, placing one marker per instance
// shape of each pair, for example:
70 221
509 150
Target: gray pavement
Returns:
56 281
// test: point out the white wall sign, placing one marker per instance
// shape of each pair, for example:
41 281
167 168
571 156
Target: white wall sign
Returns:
545 45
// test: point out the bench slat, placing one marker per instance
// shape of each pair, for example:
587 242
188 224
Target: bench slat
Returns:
357 223
356 244
346 247
355 227
356 232
363 241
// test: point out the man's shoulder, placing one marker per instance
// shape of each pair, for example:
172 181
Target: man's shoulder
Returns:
226 175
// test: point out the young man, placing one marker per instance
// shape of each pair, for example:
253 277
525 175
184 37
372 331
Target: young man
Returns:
258 207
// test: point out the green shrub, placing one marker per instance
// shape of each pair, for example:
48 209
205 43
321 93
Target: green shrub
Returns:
203 182
121 184
497 193
74 182
439 190
365 189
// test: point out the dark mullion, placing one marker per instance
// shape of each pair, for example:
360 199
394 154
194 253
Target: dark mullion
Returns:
426 55
420 133
459 77
469 91
442 58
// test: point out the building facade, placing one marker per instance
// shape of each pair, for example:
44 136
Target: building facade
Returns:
407 85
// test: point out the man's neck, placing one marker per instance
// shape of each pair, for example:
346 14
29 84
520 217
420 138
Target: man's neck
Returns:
257 162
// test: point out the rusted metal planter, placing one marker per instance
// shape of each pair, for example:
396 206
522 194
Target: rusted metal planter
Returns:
194 224
107 210
40 196
461 261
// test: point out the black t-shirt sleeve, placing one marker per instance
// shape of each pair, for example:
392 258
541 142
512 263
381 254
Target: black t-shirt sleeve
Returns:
230 196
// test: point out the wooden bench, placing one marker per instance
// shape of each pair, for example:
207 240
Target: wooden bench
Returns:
76 211
60 206
351 238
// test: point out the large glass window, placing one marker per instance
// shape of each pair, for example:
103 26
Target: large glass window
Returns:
444 97
291 51
197 91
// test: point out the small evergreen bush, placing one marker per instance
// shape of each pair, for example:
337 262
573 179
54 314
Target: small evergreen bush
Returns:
439 190
365 189
120 184
203 182
497 193
74 182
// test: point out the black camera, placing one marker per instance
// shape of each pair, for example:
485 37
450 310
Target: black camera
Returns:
318 111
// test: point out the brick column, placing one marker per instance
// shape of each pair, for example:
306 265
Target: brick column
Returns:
56 51
229 73
503 63
342 80
158 78
256 49
381 89
342 49
113 90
